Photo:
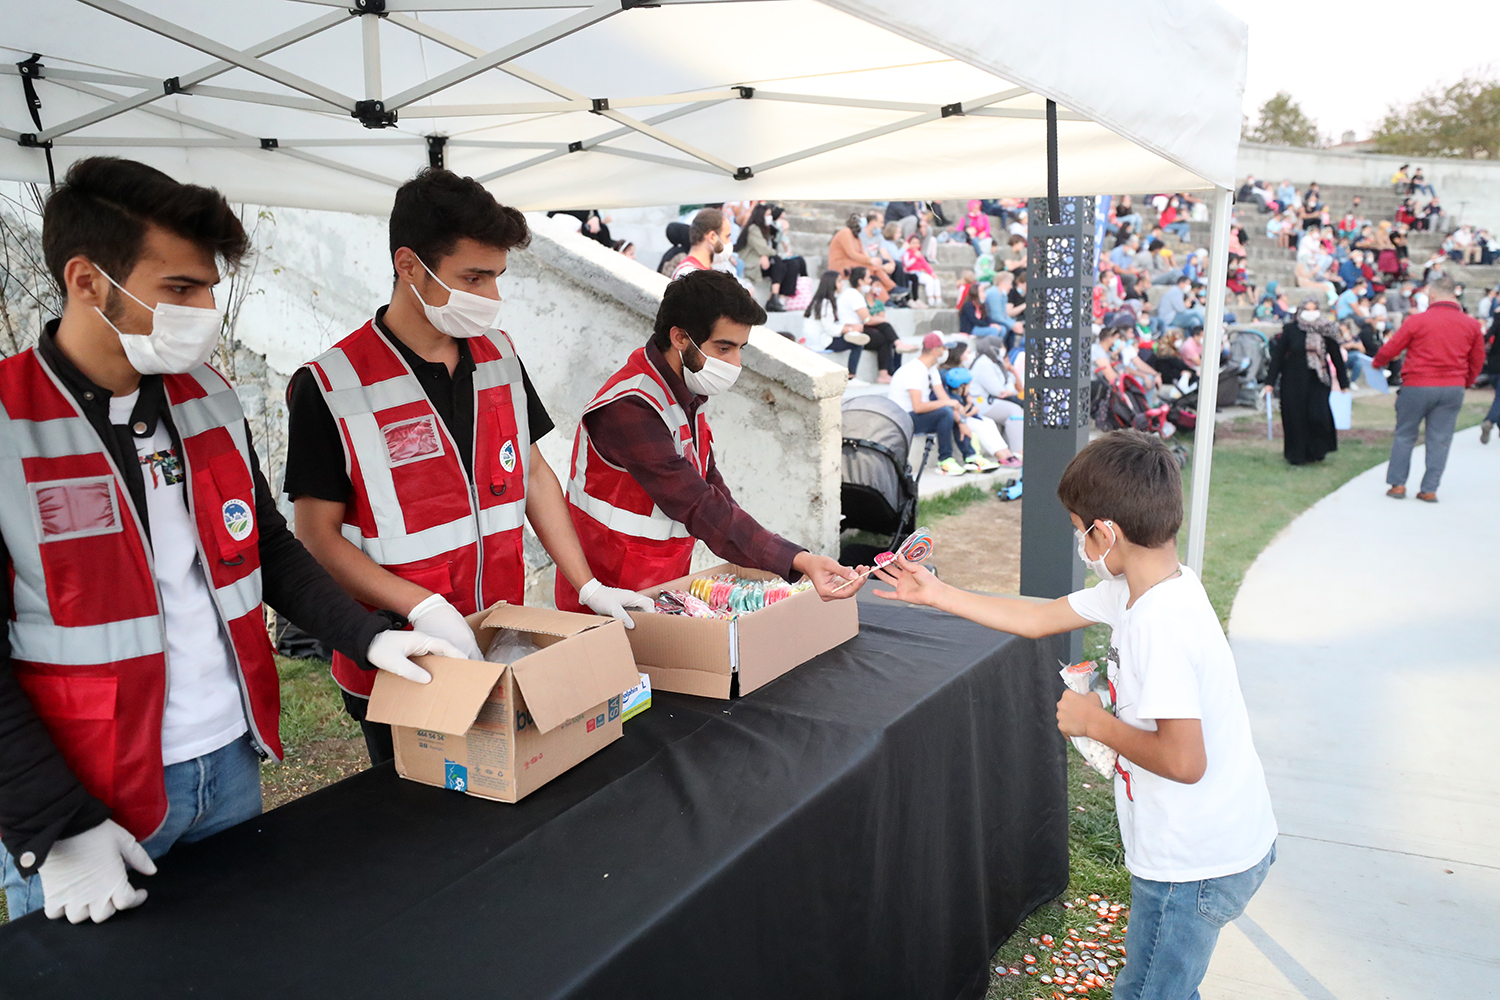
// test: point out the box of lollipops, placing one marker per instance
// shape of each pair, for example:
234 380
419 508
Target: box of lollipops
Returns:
725 631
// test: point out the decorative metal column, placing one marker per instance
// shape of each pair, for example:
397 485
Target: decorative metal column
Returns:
1059 306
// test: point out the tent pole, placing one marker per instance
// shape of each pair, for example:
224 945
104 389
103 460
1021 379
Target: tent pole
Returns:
369 27
1208 384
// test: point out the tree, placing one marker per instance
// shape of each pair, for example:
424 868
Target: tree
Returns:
1282 122
1460 120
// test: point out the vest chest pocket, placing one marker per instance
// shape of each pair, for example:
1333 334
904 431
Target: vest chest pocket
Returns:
227 500
408 441
500 469
75 508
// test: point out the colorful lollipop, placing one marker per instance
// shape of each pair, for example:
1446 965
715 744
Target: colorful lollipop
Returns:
916 548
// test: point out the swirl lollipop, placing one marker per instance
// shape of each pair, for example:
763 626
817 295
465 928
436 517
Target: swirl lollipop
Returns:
916 548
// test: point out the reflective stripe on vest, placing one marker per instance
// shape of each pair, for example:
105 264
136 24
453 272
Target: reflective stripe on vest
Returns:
656 526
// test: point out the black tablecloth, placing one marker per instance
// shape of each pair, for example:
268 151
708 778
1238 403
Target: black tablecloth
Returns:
872 824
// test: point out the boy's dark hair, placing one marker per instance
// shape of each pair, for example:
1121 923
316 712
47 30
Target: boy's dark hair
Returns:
104 204
708 220
1128 477
437 208
698 300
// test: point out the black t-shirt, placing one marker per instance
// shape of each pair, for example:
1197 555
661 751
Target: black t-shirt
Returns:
315 450
1015 298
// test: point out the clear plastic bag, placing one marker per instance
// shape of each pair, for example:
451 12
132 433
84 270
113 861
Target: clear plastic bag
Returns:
509 645
1088 678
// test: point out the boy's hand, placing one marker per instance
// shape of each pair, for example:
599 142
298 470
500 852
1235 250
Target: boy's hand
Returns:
1074 711
914 583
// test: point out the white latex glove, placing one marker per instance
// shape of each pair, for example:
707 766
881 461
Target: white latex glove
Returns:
441 620
612 601
393 650
84 876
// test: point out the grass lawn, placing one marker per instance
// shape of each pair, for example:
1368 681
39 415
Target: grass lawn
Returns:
1255 494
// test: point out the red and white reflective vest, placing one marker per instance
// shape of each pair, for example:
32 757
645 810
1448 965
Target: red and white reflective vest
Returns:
87 640
414 510
629 541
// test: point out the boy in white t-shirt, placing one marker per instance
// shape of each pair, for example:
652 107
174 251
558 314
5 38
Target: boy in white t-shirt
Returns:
1195 816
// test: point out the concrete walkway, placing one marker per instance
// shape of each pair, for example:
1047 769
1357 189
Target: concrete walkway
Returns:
1366 639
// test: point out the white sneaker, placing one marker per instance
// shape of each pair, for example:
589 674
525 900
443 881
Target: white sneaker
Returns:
856 338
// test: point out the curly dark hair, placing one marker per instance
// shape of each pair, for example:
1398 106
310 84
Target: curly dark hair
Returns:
437 208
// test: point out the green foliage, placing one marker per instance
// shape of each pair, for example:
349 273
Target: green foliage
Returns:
1460 120
1282 122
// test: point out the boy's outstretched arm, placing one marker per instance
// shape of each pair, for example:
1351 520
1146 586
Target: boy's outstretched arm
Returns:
1174 751
916 584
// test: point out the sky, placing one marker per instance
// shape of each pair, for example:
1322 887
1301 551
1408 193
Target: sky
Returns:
1364 58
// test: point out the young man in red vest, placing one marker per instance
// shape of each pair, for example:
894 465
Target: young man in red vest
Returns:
644 485
138 693
411 450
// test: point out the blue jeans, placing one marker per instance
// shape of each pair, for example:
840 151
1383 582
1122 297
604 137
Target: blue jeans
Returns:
204 795
1179 229
1187 319
939 422
1173 929
1494 415
1358 362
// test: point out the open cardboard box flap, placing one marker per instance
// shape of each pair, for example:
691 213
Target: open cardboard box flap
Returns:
559 682
449 704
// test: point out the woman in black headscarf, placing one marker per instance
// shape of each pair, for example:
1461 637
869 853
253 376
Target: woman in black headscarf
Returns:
1300 357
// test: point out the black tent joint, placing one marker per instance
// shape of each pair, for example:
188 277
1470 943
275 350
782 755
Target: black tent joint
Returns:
746 92
575 147
744 174
27 140
600 104
376 7
372 114
953 110
171 85
435 144
269 144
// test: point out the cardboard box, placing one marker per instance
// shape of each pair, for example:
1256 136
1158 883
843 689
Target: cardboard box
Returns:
636 700
718 658
500 731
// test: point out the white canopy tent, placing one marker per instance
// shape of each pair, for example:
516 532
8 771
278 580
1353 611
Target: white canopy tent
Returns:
558 104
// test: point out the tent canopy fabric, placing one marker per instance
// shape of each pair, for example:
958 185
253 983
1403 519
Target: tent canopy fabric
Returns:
559 104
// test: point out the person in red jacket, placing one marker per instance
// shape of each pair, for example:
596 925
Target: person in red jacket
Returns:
644 484
1444 354
138 691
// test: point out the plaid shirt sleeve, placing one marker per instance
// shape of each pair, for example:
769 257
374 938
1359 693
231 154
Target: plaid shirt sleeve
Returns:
629 434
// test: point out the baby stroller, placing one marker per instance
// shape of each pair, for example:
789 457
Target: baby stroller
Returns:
1250 355
879 492
1122 404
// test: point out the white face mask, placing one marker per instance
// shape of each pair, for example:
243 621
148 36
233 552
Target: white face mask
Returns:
181 337
1311 315
1102 571
465 314
714 377
720 255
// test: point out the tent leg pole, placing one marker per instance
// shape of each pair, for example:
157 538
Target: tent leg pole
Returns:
1208 381
369 25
